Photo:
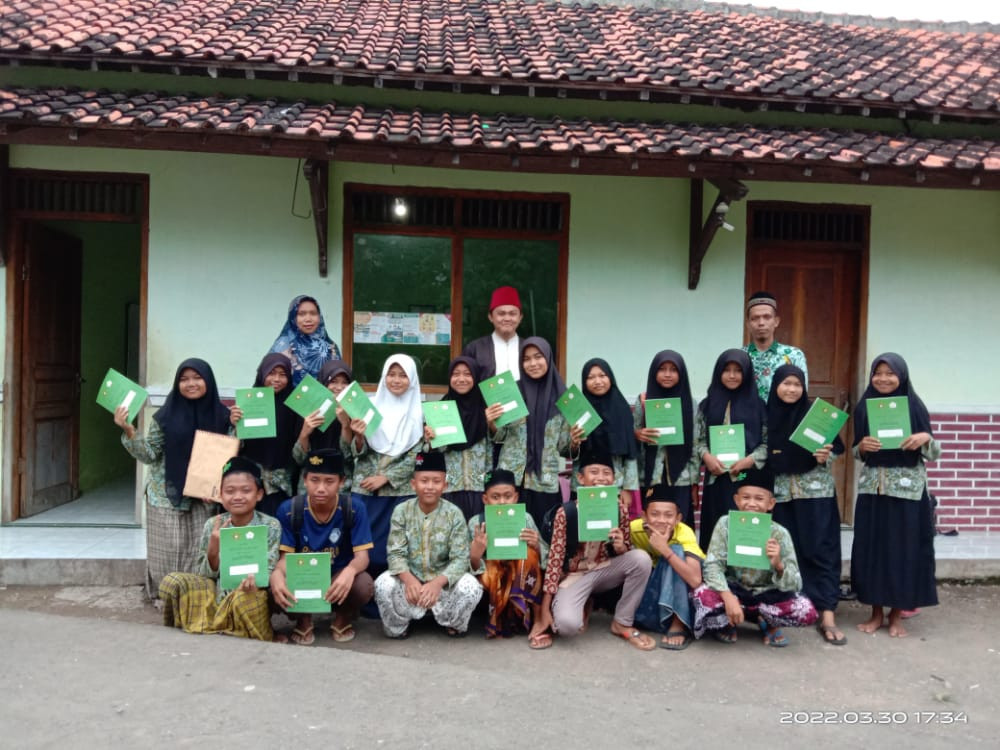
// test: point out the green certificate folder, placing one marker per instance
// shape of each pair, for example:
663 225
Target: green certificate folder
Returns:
310 395
667 416
727 443
503 389
307 576
444 419
577 410
258 413
596 512
819 426
117 390
889 420
242 552
358 406
748 535
504 524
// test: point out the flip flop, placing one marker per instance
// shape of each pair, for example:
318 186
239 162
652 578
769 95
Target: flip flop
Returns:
774 637
452 633
677 646
540 642
342 635
305 637
636 638
726 635
825 630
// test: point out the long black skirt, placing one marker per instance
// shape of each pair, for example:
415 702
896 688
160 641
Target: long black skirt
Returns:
892 560
716 501
814 524
468 501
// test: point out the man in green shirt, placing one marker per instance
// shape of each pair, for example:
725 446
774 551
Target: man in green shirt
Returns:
428 557
765 352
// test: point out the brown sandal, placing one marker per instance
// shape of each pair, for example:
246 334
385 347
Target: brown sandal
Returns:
638 639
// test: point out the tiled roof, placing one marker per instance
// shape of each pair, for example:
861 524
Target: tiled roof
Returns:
481 134
515 42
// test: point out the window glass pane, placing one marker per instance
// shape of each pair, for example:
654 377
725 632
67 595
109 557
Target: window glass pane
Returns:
530 266
402 304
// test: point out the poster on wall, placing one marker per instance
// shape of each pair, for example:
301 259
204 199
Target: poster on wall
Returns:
426 329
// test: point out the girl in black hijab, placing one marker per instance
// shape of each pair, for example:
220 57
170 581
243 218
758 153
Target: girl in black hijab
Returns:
806 497
614 436
336 375
534 446
174 522
467 462
676 467
273 455
892 558
732 399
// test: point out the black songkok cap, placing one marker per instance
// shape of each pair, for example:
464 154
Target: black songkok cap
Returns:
430 461
755 477
325 461
499 476
241 465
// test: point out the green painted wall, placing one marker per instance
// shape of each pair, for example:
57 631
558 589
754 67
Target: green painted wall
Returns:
111 258
227 253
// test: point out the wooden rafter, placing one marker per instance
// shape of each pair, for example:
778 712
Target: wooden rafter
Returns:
702 234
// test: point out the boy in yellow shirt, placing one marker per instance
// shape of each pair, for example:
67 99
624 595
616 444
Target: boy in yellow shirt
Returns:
677 559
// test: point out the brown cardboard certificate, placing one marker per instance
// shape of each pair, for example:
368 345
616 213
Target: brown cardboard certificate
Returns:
208 455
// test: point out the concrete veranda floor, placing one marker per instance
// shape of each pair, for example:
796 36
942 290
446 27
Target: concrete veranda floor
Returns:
91 666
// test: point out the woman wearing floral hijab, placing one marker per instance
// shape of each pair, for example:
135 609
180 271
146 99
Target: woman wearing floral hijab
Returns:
304 339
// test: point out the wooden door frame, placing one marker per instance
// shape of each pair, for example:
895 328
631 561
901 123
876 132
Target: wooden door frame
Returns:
863 250
15 222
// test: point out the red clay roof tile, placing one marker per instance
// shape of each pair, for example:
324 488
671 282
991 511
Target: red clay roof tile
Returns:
490 133
521 40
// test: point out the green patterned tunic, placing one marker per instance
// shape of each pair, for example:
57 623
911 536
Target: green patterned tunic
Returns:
717 572
905 482
759 454
514 453
201 565
690 474
428 544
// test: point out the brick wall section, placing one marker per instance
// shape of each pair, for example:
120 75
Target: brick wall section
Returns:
966 479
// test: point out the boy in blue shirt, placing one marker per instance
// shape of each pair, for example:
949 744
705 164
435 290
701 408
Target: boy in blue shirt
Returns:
315 522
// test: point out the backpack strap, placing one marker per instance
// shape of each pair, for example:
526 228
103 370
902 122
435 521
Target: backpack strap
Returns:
572 532
345 537
298 518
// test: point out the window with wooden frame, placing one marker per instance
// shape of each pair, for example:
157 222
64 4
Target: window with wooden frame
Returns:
420 265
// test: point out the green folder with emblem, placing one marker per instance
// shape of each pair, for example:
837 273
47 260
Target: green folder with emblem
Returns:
727 443
307 576
503 389
577 410
748 535
310 396
242 552
117 390
504 524
444 418
596 512
258 420
820 426
356 403
889 420
666 415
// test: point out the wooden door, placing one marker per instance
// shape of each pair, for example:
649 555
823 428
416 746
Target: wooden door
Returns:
50 370
819 303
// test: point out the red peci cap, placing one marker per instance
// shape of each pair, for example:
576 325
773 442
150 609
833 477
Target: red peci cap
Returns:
505 295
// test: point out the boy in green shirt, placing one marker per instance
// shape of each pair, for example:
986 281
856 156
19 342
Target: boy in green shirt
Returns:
428 557
732 594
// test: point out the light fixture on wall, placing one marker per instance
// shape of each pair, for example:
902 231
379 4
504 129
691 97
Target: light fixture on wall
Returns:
399 208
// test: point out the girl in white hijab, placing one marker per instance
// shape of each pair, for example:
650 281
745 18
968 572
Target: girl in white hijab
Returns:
384 460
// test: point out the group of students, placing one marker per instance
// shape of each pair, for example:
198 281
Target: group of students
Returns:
405 524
